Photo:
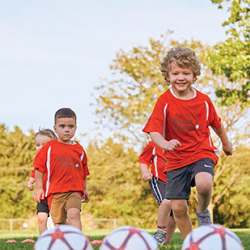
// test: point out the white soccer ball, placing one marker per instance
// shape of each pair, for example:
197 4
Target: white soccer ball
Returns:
212 237
129 238
63 237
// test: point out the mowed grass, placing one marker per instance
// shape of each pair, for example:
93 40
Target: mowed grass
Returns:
176 242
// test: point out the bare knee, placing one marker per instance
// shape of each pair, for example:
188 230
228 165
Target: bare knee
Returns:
73 214
179 209
204 182
42 218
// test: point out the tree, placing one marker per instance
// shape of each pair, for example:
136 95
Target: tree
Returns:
16 160
231 57
116 189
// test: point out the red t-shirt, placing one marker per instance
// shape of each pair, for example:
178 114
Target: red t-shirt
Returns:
154 156
188 122
65 166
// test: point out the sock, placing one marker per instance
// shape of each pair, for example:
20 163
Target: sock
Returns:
161 229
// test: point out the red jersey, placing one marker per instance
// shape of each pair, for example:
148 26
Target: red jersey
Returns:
154 156
65 166
188 122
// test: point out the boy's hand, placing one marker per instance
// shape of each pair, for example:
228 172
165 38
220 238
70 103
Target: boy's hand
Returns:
30 186
147 176
38 193
85 197
228 148
172 145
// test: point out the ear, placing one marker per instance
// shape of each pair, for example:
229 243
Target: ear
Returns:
54 128
194 79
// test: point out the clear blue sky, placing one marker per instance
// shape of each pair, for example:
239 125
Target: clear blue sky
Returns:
53 52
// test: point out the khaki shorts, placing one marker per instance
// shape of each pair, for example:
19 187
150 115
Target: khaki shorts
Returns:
61 203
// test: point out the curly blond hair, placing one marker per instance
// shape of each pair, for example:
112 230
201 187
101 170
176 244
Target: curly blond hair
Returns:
184 57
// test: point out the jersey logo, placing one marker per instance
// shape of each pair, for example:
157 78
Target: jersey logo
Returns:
77 165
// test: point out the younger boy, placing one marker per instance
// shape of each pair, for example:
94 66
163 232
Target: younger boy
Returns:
41 137
154 156
180 124
65 163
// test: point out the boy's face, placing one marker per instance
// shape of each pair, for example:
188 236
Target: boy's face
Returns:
181 79
65 129
40 140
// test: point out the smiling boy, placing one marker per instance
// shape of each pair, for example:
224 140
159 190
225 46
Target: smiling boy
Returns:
180 124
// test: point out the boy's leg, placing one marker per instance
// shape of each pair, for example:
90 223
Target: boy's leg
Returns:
164 212
42 216
178 191
181 216
74 218
73 208
202 174
170 228
163 215
204 182
158 189
42 222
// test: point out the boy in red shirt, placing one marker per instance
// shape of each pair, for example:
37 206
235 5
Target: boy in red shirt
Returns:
154 156
180 124
41 137
65 163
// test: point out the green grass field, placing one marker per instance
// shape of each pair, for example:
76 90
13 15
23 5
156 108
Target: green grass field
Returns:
176 243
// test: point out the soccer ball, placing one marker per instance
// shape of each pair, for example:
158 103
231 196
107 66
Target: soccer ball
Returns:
63 237
129 238
212 237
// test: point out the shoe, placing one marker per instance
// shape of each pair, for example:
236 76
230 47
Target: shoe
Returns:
160 236
204 218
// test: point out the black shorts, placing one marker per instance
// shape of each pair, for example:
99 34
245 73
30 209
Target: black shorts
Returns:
42 207
180 181
158 189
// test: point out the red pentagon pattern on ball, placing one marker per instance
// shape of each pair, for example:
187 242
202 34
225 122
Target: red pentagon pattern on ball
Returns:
212 237
63 237
129 238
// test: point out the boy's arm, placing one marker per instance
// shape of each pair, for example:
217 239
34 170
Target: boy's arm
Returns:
227 145
39 187
30 183
86 194
146 174
158 139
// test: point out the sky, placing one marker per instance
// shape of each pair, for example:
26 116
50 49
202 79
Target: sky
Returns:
53 53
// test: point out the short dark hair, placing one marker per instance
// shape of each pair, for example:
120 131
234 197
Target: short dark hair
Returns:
65 113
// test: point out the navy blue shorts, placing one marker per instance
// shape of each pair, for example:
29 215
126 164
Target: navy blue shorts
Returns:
158 189
180 181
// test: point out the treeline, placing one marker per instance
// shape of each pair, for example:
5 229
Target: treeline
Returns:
115 184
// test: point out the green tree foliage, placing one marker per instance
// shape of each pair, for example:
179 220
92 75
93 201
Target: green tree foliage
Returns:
116 188
16 160
231 196
232 57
